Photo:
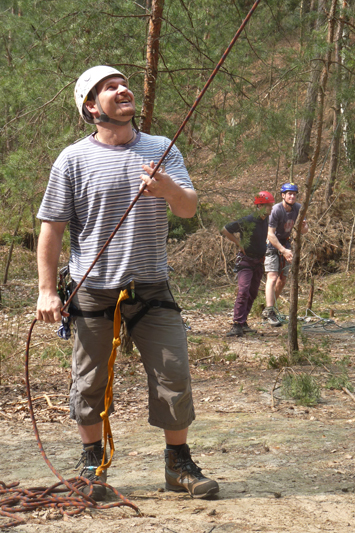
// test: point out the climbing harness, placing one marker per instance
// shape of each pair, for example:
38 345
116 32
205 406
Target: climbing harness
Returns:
109 313
250 266
64 294
71 484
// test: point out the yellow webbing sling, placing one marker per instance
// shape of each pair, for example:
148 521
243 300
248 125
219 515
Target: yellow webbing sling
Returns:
108 393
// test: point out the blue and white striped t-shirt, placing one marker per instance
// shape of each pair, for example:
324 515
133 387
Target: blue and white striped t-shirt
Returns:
91 185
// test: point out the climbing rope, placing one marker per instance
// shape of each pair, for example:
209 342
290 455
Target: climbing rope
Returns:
326 325
321 325
19 500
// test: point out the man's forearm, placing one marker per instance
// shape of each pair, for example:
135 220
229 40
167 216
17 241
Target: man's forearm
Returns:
182 202
231 236
275 242
49 247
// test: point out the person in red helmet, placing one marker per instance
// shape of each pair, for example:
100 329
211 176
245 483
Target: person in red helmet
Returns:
249 234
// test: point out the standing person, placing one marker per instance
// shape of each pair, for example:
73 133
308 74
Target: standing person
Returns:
279 255
91 185
249 234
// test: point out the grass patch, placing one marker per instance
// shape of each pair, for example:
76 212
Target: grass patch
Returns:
280 361
303 388
339 379
60 353
193 293
340 290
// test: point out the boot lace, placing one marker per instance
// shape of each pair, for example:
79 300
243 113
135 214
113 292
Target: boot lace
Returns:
90 462
186 464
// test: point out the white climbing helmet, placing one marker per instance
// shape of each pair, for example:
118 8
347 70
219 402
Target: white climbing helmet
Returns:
86 83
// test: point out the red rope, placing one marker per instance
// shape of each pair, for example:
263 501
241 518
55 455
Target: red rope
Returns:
20 500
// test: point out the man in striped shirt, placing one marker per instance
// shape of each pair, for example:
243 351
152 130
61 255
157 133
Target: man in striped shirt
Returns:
91 185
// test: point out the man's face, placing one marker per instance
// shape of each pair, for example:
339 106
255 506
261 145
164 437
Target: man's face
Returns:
116 99
290 197
268 208
265 209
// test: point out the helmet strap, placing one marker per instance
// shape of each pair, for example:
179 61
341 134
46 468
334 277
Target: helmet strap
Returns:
103 117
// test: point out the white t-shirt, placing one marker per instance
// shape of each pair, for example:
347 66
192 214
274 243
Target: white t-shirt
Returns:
91 185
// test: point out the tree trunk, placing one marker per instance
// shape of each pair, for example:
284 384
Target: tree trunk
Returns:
34 232
9 257
292 324
151 71
334 154
347 118
302 151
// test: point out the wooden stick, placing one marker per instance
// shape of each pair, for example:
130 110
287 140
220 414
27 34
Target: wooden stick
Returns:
48 400
5 415
348 393
45 396
274 387
58 408
350 245
310 296
203 358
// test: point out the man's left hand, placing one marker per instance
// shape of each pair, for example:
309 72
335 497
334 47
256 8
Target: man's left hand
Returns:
160 185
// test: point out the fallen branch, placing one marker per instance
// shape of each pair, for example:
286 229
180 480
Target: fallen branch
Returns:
274 387
350 245
5 415
348 393
45 396
48 400
58 408
202 359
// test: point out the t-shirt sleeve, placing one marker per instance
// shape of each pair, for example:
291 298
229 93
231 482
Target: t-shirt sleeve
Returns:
175 167
57 204
234 227
274 217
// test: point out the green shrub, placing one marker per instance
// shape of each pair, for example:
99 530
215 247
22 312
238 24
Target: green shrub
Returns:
303 388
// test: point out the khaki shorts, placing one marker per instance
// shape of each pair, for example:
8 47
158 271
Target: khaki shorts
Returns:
160 337
272 264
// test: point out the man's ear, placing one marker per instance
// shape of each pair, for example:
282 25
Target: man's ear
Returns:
92 107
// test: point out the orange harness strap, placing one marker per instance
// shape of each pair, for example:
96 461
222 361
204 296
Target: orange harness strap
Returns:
109 393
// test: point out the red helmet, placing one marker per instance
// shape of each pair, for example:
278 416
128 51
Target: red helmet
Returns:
264 197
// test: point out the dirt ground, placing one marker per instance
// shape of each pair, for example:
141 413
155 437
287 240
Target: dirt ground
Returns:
280 466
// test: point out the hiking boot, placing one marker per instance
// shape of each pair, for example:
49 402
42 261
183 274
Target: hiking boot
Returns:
247 329
91 458
270 315
236 331
182 474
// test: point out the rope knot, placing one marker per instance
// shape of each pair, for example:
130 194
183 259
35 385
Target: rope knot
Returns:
116 342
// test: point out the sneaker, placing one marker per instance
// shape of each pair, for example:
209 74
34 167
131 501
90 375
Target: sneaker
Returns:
265 312
236 331
91 459
270 315
247 329
183 475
